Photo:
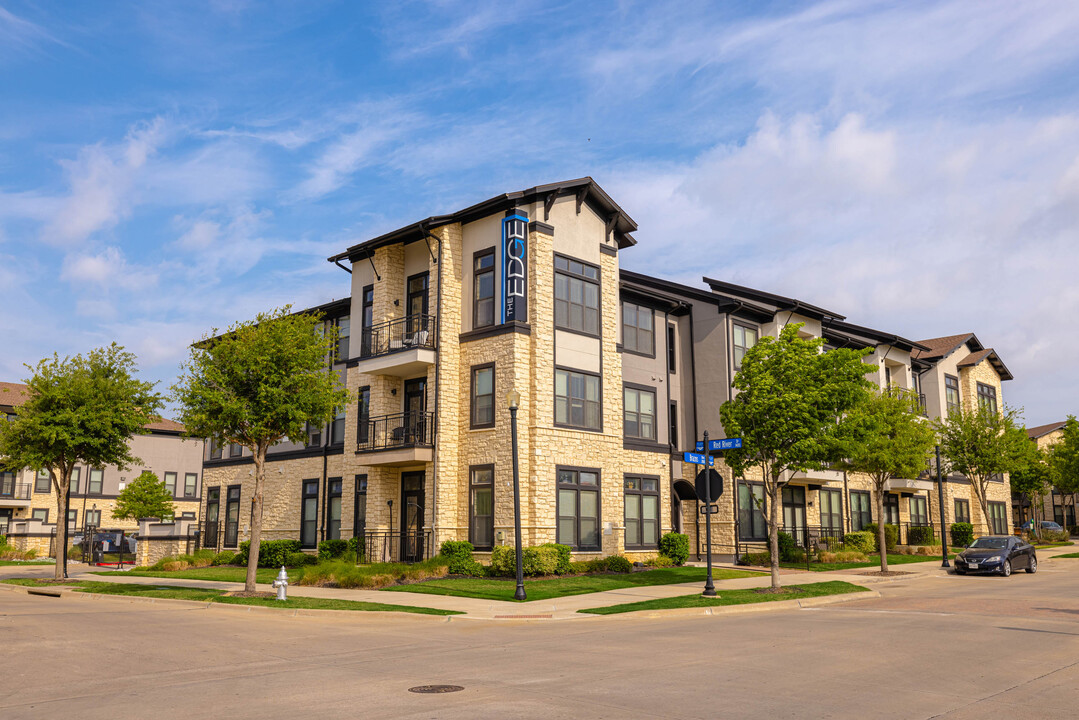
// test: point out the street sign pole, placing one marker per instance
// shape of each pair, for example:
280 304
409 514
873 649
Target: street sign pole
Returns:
709 587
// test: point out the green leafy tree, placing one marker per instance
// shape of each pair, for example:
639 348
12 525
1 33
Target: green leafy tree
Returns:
1032 477
257 384
145 497
887 438
982 444
790 400
80 410
1064 461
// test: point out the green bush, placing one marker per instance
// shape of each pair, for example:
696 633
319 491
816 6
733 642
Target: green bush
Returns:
357 546
330 549
921 536
547 559
891 536
788 549
1052 536
659 561
619 564
272 553
860 541
225 557
962 534
459 555
300 559
675 546
760 559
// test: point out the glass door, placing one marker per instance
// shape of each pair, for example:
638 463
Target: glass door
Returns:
412 502
416 303
831 512
794 513
891 509
415 407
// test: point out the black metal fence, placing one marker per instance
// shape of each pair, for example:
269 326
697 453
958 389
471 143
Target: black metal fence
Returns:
406 547
209 534
106 547
412 331
409 429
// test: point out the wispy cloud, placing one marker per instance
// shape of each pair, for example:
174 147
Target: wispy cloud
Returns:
20 35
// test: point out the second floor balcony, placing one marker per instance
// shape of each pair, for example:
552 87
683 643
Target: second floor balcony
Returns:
400 347
397 440
13 494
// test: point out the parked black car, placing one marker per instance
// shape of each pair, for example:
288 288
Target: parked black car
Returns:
997 554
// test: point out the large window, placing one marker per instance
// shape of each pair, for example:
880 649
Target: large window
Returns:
93 518
673 419
640 413
577 400
76 475
642 511
860 512
333 509
343 332
41 514
367 319
359 508
213 510
309 514
215 449
576 296
962 510
745 337
43 482
483 396
96 479
831 510
919 510
235 450
314 435
170 483
483 289
578 508
481 521
363 416
337 428
751 524
637 333
1063 514
951 393
191 481
232 516
998 518
987 398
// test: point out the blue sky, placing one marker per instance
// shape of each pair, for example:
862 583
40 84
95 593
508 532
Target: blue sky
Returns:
167 168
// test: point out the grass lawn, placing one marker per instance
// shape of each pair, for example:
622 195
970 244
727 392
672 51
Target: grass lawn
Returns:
32 582
222 573
492 589
1043 546
731 597
892 560
16 563
1069 555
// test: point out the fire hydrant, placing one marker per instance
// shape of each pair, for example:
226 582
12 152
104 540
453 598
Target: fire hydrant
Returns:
281 583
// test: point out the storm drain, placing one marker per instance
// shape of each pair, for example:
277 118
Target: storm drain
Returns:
432 689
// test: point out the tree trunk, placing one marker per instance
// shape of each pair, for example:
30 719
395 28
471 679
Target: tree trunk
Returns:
61 485
981 494
256 519
773 534
882 543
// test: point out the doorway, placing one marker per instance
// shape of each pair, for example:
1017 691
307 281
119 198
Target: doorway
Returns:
415 407
794 513
412 504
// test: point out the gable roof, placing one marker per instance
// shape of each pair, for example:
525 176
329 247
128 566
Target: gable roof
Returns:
1036 432
988 354
13 394
944 346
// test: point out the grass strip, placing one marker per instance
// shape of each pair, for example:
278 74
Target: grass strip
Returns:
1069 555
217 573
545 589
892 560
732 597
17 563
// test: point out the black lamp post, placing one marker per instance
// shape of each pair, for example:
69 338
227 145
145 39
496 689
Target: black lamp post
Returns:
943 532
513 399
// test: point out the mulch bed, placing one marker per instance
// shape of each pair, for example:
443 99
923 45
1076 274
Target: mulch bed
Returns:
244 594
890 573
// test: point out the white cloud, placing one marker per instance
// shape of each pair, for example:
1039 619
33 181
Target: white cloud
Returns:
108 269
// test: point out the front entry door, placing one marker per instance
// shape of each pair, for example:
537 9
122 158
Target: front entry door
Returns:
5 520
891 509
412 501
415 406
794 513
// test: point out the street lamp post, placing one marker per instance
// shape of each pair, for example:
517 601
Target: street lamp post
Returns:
513 399
709 586
943 532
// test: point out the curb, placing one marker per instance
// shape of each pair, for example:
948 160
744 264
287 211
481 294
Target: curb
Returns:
746 609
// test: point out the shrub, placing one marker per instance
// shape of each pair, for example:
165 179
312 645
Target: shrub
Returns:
300 559
891 536
1052 536
540 560
860 541
357 546
924 550
850 556
459 556
788 549
330 549
921 536
659 561
760 559
619 564
503 560
675 546
225 557
962 534
272 553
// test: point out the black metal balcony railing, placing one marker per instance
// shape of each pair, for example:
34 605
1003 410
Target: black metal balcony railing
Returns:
922 404
408 547
407 333
11 490
402 430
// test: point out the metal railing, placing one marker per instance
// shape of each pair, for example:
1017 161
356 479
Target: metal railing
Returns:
209 534
401 430
407 547
11 490
407 333
923 405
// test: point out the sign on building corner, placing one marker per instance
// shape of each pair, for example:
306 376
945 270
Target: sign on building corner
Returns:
515 268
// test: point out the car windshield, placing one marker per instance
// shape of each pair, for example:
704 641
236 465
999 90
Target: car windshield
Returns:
990 543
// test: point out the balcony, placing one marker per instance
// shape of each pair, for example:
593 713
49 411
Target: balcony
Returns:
397 440
14 494
816 478
401 347
922 405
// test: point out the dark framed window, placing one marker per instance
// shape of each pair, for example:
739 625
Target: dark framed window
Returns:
235 450
482 411
337 428
76 476
309 513
43 482
213 512
215 449
831 510
861 513
333 509
998 518
170 483
751 508
359 508
367 318
191 481
641 511
962 510
951 393
576 296
344 330
314 435
481 503
578 508
41 514
363 415
638 335
97 478
483 288
887 377
987 398
72 519
1063 514
672 417
672 356
919 510
232 516
577 401
416 300
640 413
743 338
93 518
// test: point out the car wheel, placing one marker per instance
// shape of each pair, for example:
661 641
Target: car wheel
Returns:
1033 567
1006 568
960 572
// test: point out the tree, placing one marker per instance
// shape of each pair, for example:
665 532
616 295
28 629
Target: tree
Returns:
981 444
146 496
1064 461
260 382
1032 477
81 410
887 438
790 399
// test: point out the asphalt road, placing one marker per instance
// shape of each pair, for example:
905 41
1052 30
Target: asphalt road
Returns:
953 647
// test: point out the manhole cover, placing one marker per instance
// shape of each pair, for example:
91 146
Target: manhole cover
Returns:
435 688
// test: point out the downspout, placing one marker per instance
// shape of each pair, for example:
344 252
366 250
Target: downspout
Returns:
693 373
438 376
324 499
670 441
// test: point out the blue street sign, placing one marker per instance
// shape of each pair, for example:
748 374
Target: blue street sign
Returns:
697 458
724 444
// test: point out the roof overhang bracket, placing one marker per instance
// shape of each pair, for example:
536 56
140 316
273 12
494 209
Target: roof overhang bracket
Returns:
581 195
549 202
427 234
612 222
371 259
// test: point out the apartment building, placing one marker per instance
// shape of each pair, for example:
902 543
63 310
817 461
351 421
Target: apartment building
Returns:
616 372
1056 506
28 501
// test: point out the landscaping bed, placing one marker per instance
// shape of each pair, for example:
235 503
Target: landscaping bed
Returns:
732 597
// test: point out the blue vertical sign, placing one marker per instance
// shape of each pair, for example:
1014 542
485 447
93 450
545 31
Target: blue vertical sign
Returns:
515 268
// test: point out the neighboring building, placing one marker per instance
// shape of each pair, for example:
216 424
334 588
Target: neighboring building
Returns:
1061 509
29 496
617 373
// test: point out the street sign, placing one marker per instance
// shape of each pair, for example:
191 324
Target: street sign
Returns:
698 459
722 444
709 509
715 485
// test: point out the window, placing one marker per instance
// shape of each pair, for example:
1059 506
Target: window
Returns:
416 302
483 289
481 521
170 483
987 398
367 319
745 337
215 449
1063 515
337 429
577 400
72 518
43 482
578 508
363 416
831 510
576 296
998 518
640 413
860 513
232 516
41 514
191 481
483 396
76 475
887 377
359 507
672 359
343 331
213 508
642 511
7 483
962 510
637 334
314 435
951 393
919 513
751 524
96 480
235 450
309 514
333 509
673 418
93 518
